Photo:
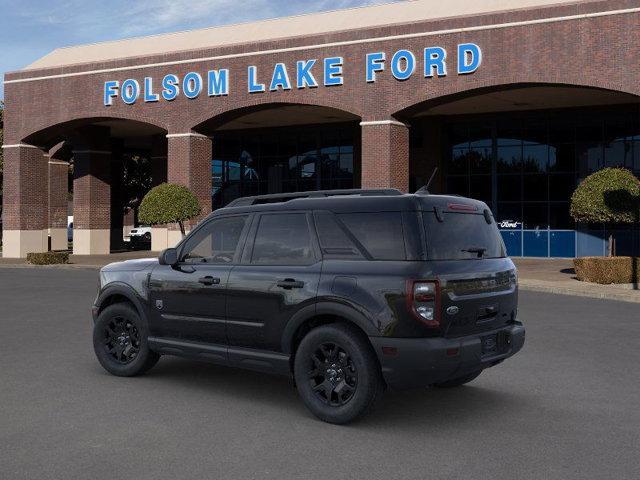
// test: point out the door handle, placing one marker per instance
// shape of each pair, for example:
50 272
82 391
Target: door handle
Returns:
208 280
289 283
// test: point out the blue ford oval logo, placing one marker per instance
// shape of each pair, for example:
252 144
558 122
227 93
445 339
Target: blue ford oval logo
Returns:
452 310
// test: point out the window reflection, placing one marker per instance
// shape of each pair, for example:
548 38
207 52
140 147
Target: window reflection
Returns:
535 158
259 162
538 159
510 159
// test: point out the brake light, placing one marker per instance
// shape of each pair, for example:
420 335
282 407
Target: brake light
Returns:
423 301
461 207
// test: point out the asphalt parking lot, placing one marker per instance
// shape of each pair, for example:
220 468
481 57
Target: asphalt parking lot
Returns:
566 407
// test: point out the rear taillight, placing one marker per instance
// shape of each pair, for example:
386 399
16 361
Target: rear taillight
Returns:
423 300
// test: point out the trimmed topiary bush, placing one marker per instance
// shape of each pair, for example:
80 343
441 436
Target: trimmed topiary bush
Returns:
169 203
606 270
611 195
48 258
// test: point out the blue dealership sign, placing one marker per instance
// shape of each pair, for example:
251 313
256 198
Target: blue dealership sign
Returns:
308 73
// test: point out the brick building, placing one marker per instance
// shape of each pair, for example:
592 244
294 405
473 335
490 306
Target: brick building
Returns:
513 101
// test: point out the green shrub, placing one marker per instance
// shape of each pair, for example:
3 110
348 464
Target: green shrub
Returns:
611 195
606 270
48 258
168 203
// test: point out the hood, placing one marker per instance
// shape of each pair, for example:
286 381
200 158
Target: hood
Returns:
130 265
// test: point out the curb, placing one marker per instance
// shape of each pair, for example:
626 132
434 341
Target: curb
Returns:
533 286
64 266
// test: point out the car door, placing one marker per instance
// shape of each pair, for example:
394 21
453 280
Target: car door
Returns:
188 300
278 276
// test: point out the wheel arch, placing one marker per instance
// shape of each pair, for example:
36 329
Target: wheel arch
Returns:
120 293
321 314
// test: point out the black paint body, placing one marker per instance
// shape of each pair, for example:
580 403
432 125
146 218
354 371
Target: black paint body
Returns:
247 317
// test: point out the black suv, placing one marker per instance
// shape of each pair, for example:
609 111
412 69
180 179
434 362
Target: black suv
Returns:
347 291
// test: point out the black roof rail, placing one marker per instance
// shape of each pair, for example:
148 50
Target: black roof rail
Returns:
285 197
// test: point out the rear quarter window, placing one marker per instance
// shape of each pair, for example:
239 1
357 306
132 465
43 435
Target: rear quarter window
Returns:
336 241
462 236
380 233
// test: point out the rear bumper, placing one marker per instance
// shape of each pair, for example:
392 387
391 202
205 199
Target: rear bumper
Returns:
419 362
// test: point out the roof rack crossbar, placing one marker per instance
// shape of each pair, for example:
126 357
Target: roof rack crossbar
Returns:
284 197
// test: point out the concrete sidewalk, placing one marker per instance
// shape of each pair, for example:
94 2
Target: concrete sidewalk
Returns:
536 274
556 275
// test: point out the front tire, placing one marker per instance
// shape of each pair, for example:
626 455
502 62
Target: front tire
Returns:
337 373
120 341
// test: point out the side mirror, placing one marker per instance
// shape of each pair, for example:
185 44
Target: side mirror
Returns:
168 257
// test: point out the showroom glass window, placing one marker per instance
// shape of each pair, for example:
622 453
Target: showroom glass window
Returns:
264 161
537 159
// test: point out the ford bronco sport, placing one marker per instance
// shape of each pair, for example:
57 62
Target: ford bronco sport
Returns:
347 291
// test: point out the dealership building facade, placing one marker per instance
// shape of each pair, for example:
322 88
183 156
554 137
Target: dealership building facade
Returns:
513 101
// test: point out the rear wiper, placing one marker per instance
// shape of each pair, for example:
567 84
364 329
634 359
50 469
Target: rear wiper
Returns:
479 250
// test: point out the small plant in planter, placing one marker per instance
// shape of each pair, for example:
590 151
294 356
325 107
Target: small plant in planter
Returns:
611 195
169 203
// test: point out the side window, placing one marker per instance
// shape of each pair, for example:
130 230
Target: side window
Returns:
381 233
216 243
283 239
334 241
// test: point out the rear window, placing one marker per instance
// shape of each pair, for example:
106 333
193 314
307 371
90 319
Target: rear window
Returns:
461 236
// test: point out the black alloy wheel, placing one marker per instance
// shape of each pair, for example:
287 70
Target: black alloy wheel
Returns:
122 340
332 374
337 373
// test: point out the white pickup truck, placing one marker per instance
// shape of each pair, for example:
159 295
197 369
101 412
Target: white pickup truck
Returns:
140 236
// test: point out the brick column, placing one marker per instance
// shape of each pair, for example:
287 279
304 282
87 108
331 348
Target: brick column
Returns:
58 191
189 164
91 191
158 160
25 209
117 207
91 202
159 233
385 155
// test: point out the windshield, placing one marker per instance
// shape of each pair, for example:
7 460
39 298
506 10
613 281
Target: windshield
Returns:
461 236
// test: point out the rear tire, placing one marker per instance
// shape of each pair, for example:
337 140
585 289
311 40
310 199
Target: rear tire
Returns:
337 374
456 382
120 341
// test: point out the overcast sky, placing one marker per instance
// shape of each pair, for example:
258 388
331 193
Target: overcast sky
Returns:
30 29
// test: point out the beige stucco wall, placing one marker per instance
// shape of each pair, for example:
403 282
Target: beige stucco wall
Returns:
17 243
91 242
